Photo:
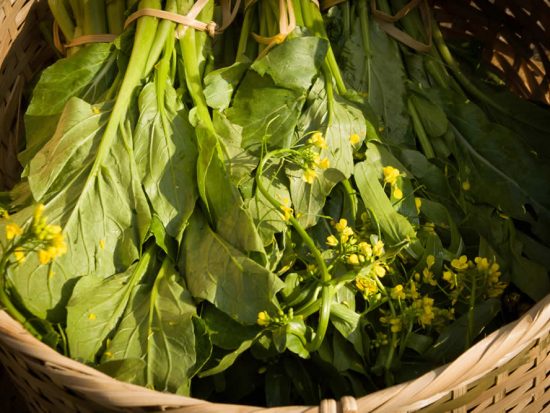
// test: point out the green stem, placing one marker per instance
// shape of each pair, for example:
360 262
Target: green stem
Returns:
420 132
193 78
116 10
314 21
94 17
63 19
325 276
352 196
245 30
327 289
165 28
145 33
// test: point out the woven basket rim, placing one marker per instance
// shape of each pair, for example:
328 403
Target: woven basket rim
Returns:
488 355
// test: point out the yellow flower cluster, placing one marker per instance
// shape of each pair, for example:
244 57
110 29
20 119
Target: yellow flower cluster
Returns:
52 242
366 285
425 310
312 160
390 177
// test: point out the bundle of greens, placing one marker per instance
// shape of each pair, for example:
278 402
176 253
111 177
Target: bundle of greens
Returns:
303 202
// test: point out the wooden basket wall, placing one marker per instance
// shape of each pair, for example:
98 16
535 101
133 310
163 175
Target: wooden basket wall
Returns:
514 35
507 371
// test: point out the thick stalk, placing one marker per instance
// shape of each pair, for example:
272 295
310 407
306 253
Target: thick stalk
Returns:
245 30
94 17
145 33
63 19
314 21
420 132
116 10
165 28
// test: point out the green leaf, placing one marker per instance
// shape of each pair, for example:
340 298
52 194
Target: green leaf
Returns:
220 274
229 359
131 370
433 118
166 157
371 68
95 308
309 199
219 85
86 74
264 109
225 332
104 216
496 161
158 327
392 224
294 63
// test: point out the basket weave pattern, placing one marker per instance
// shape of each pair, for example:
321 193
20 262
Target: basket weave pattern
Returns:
507 371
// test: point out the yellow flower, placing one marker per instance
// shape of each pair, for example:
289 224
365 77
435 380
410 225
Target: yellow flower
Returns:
309 176
379 270
44 257
318 140
466 185
460 264
482 264
13 230
263 318
414 293
353 259
397 193
398 293
91 316
366 285
19 255
378 249
428 277
323 163
341 225
396 325
38 211
418 204
287 212
354 139
430 261
390 175
365 249
332 241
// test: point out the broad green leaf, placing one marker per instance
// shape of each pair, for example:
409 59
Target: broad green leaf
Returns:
395 226
265 111
96 306
266 217
495 161
219 85
373 65
166 157
232 220
347 120
220 274
131 370
158 327
86 74
433 118
104 216
294 63
225 332
229 359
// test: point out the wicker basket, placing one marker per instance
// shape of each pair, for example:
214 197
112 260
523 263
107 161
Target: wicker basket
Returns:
507 371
